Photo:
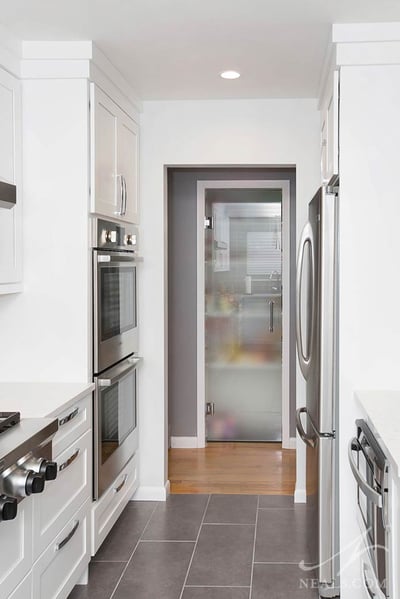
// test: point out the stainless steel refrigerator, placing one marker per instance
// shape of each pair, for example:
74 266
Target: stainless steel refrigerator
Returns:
316 321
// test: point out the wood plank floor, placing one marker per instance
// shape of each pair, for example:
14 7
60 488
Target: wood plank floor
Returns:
245 468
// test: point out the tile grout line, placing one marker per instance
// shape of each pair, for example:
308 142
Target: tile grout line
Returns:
194 548
254 549
132 554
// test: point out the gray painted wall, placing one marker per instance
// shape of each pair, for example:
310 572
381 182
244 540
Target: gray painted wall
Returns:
182 287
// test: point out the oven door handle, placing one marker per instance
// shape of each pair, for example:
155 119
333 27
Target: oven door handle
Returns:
368 491
133 363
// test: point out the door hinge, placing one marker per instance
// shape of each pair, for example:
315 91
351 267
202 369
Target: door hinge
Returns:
208 222
210 408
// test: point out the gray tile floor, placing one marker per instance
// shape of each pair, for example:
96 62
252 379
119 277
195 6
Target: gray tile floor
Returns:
204 547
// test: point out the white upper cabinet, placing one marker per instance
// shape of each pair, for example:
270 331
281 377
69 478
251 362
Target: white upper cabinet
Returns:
114 155
10 172
330 130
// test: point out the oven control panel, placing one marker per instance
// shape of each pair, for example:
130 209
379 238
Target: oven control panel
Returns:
114 236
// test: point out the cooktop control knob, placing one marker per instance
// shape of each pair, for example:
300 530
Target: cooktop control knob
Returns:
48 470
21 483
8 507
34 483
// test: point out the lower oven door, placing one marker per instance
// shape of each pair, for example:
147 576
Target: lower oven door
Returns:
115 422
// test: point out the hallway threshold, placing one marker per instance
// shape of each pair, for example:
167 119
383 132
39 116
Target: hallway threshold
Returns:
233 468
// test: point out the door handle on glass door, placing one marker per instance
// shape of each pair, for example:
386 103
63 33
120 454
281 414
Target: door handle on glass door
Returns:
271 316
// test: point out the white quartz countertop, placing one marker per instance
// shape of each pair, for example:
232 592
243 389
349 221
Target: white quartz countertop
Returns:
382 409
41 400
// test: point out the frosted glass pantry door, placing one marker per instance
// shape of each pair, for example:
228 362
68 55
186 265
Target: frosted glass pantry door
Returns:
243 320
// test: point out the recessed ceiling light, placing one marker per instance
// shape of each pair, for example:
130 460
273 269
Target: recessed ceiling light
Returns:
230 75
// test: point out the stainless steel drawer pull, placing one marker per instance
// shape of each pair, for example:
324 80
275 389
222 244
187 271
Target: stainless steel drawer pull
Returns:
69 461
117 489
103 258
70 416
68 537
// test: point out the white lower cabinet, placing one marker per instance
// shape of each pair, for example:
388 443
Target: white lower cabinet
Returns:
53 509
62 564
107 509
15 548
24 589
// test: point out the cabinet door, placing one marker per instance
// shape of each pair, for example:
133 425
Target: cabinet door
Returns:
23 590
10 172
330 131
127 164
106 194
16 548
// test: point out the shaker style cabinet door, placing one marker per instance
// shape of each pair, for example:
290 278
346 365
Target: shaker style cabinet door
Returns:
114 155
105 199
10 172
127 163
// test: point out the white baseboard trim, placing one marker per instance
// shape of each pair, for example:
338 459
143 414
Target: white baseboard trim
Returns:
151 493
300 496
184 442
290 444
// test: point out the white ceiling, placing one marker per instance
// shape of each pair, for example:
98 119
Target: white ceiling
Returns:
175 49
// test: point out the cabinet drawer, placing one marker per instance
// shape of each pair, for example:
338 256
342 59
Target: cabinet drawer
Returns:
107 509
72 423
62 497
23 590
15 548
62 564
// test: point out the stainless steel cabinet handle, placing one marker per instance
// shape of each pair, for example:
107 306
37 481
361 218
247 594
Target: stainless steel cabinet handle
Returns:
68 537
304 355
68 418
119 211
117 489
125 196
68 462
271 316
368 491
303 435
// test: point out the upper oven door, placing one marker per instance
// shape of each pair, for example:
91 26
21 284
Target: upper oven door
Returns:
115 307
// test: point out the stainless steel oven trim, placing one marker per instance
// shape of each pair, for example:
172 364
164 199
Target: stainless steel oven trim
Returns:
118 347
126 450
366 443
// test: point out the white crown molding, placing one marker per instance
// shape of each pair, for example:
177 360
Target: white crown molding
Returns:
368 53
365 32
75 60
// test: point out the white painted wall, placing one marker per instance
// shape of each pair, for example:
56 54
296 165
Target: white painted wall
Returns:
370 255
45 334
231 132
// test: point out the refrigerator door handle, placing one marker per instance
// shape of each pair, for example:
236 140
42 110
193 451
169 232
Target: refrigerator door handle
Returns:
304 354
368 491
300 429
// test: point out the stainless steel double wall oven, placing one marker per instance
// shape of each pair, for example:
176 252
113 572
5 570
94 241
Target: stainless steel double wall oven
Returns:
115 349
